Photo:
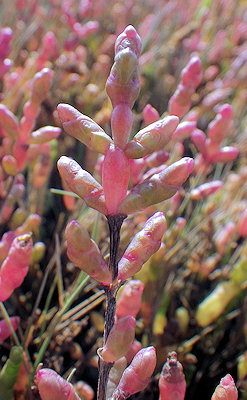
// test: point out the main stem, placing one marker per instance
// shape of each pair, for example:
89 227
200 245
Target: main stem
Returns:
115 222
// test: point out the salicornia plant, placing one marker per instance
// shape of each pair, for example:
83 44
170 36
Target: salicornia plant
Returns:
112 198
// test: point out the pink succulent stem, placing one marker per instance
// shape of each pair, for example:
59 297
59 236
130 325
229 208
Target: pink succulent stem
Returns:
242 224
4 329
224 237
15 266
121 124
115 169
52 386
119 340
172 383
129 302
150 114
183 131
205 190
5 244
143 245
191 77
85 254
136 377
226 390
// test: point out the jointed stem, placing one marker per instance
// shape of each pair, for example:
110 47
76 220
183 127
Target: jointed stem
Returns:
115 222
110 312
104 368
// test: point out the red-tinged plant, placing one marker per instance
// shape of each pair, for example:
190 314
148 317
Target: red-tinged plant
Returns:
205 190
85 254
19 137
49 49
115 375
224 236
116 202
242 225
15 266
51 386
209 146
226 390
4 328
136 377
119 340
172 383
25 149
129 302
5 40
84 390
150 114
144 244
191 77
5 244
134 348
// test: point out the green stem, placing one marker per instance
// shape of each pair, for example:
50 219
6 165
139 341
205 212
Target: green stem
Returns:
64 193
59 273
